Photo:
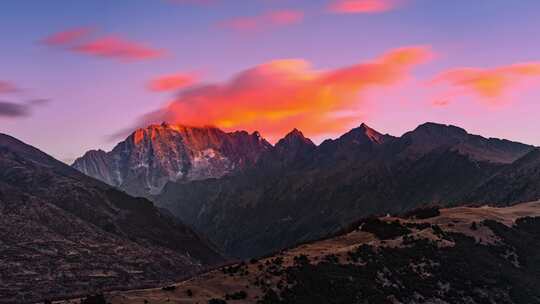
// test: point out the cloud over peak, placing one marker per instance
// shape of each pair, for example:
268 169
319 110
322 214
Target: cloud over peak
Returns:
277 96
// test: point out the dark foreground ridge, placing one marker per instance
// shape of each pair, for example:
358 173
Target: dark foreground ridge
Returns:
462 255
63 233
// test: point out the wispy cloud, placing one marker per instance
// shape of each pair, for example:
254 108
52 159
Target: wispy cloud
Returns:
67 37
489 84
9 109
118 48
277 96
13 110
263 21
80 41
441 102
363 6
8 87
38 101
172 82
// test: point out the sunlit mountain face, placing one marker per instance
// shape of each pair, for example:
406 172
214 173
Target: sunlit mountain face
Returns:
150 157
307 151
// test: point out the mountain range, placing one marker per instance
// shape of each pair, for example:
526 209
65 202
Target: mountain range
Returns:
206 195
251 198
63 233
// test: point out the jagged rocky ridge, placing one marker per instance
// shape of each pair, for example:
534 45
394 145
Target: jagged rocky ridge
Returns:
63 233
289 197
150 157
275 196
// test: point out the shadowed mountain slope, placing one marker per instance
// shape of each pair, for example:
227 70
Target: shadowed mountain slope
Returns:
518 182
276 204
70 233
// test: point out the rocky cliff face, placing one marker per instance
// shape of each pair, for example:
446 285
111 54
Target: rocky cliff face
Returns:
63 233
150 157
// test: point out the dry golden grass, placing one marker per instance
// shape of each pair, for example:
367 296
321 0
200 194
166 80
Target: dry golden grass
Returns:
215 284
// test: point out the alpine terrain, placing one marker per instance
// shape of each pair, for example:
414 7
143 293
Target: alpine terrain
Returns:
63 234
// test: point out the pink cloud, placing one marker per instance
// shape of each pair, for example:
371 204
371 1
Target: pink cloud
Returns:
171 82
285 17
363 6
8 87
266 20
67 37
118 48
115 47
441 102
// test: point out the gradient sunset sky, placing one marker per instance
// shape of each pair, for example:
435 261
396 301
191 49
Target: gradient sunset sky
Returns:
80 75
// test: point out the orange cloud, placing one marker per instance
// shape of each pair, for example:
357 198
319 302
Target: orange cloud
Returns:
171 82
277 96
8 87
489 84
362 6
67 37
269 19
115 47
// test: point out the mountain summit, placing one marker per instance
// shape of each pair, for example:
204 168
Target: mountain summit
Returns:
293 138
363 134
430 136
294 145
150 157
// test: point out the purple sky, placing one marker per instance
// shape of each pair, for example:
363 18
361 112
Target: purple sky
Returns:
73 73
